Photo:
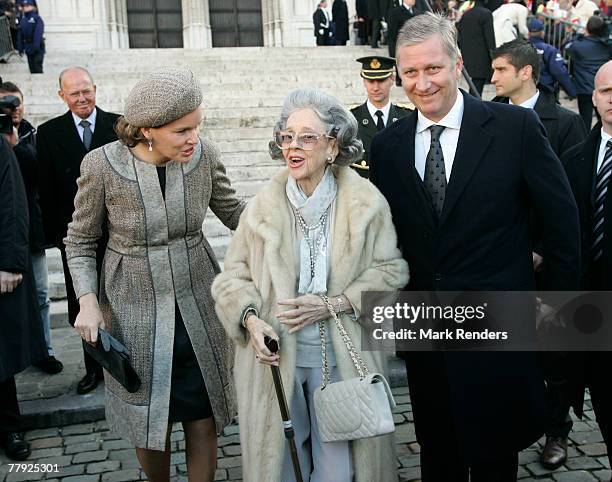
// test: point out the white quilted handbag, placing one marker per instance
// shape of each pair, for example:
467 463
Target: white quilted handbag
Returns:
352 409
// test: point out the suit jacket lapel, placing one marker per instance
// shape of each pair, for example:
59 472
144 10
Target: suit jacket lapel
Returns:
403 157
471 148
103 125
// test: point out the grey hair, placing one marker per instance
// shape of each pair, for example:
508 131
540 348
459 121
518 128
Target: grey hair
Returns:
424 26
338 120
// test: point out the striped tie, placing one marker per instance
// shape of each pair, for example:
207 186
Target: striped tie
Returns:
601 189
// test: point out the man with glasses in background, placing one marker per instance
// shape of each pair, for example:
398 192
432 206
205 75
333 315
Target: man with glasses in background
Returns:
62 142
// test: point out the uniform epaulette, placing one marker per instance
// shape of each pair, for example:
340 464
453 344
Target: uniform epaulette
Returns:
401 105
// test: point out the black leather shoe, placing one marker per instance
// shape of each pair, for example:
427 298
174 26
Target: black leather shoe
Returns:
88 383
554 454
15 447
50 365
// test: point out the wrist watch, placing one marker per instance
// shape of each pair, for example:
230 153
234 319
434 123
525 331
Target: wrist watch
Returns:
247 311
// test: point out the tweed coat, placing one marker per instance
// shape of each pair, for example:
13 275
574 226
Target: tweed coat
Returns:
156 254
260 269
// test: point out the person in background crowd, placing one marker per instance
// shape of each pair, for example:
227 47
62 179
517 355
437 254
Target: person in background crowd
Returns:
588 167
30 38
22 341
473 411
61 144
25 151
516 65
477 40
377 9
582 11
553 72
588 53
341 20
361 7
510 22
397 18
377 112
322 26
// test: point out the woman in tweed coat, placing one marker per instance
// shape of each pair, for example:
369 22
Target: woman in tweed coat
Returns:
152 189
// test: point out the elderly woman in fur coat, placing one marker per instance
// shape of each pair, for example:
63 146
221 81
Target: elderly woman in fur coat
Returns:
316 228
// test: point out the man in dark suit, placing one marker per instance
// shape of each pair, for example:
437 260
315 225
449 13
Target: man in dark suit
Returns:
516 68
477 40
62 143
588 167
322 27
397 18
462 177
378 74
377 10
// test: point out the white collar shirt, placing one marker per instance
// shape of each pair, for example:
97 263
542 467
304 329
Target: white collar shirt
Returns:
448 139
407 7
92 121
385 110
605 137
529 103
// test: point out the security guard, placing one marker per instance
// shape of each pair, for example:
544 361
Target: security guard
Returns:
377 112
30 36
553 71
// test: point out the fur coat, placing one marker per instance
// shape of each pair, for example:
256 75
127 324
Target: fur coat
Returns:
260 269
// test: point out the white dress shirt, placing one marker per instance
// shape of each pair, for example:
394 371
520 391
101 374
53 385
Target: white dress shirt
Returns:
529 103
77 122
602 148
448 138
385 110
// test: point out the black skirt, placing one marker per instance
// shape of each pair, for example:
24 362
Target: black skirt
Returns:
188 396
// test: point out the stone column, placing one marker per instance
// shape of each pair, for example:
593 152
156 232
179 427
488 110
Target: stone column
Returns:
196 24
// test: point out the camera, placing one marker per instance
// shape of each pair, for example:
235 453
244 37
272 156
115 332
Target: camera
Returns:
8 105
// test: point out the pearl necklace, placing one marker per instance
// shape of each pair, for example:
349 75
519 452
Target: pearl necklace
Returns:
313 250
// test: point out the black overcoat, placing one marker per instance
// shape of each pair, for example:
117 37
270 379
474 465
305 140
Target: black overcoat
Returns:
580 163
60 152
340 18
22 341
503 168
397 17
477 41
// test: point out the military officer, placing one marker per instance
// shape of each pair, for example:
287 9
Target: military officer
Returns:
377 112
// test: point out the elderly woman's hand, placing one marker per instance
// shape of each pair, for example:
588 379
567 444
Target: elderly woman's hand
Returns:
308 309
258 328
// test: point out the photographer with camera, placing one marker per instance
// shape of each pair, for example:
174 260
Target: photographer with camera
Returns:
11 101
22 340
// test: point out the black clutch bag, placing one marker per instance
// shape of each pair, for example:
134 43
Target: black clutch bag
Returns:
115 359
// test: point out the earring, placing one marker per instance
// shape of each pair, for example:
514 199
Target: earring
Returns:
150 145
330 159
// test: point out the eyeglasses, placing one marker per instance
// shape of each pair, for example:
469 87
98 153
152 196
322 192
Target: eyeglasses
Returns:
304 140
87 93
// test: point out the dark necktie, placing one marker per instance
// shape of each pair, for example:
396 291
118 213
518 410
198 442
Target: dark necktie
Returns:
435 173
380 125
601 189
87 134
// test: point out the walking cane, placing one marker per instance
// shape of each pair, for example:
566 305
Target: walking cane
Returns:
272 345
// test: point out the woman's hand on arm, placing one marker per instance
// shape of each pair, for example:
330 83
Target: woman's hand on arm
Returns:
258 329
89 318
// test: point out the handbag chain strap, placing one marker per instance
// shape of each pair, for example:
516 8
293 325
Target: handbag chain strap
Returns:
360 365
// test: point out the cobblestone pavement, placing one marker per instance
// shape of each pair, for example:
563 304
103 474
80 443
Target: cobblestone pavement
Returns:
90 452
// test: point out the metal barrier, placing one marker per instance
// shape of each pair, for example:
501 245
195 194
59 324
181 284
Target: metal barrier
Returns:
557 32
6 42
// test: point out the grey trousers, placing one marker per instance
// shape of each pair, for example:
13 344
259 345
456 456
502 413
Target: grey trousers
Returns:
319 461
